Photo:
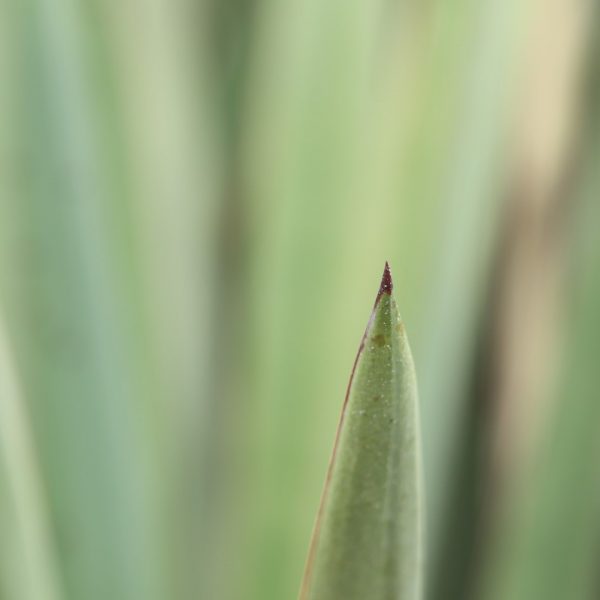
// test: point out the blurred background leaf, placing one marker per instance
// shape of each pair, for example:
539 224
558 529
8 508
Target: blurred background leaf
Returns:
196 199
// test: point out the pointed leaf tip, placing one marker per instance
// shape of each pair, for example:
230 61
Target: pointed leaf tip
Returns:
387 284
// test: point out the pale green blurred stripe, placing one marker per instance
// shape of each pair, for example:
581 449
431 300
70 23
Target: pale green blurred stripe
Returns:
114 385
159 54
72 343
27 548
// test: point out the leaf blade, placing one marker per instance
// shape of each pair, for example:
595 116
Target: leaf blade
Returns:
367 540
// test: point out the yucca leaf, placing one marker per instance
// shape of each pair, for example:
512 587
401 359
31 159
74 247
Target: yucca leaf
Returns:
367 538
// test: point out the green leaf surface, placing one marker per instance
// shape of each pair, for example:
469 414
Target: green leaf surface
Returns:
367 541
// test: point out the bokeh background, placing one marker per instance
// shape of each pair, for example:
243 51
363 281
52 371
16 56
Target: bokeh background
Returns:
197 198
